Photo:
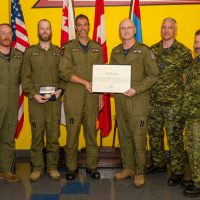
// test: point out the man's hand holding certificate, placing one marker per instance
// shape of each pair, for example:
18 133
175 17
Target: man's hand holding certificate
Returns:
111 78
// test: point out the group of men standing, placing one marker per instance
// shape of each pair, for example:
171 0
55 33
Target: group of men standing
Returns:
45 66
164 93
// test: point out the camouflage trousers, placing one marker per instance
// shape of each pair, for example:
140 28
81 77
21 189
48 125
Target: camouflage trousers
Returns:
169 116
192 146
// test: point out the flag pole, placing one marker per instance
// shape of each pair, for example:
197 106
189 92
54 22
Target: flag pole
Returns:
131 8
9 10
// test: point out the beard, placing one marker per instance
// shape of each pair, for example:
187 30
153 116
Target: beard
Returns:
6 43
45 37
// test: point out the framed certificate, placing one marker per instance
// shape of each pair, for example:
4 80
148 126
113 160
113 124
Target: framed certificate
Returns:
111 78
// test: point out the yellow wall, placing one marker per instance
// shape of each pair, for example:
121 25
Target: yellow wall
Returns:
187 17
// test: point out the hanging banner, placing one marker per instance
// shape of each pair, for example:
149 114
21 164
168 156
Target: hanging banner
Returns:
82 3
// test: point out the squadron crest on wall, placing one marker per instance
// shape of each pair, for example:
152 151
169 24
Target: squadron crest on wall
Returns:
82 3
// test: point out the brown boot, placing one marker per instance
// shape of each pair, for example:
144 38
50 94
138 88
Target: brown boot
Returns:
54 174
139 180
35 176
8 176
125 173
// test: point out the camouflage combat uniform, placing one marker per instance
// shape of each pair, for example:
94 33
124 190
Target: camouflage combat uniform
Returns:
9 87
165 105
131 112
191 112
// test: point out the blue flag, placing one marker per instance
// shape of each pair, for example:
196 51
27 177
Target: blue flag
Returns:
135 16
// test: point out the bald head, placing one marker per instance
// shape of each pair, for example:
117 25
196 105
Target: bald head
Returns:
127 30
126 22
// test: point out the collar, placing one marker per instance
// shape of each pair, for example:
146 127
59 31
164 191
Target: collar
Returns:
39 47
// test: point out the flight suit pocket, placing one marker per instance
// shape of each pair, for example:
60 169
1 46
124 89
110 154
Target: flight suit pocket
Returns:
140 132
141 123
16 67
16 71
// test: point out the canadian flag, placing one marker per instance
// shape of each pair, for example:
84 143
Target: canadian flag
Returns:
99 35
67 33
68 27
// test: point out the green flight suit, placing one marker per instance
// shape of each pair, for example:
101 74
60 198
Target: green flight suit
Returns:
9 102
166 103
80 106
131 112
191 113
41 68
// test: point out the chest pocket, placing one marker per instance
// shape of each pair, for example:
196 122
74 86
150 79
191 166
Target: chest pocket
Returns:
15 68
135 59
54 59
35 59
93 55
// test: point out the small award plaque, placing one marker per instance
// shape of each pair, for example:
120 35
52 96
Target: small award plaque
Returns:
48 92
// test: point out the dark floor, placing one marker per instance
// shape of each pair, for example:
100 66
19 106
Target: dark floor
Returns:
85 188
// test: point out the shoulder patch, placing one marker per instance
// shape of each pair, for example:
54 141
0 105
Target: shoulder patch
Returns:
152 55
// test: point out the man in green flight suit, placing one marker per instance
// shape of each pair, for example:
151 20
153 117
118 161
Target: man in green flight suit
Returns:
80 105
10 67
40 70
166 96
132 105
191 112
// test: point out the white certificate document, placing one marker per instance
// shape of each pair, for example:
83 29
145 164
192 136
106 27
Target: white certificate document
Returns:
111 78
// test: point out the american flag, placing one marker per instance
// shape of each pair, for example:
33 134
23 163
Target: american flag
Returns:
20 42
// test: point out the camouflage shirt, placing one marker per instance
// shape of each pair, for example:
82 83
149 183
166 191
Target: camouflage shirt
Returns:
191 103
172 63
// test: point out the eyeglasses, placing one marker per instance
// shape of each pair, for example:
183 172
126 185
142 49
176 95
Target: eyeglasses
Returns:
168 28
126 28
6 33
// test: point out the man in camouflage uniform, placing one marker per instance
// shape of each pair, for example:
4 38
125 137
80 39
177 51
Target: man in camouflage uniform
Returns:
191 112
10 67
132 105
41 69
166 101
80 105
